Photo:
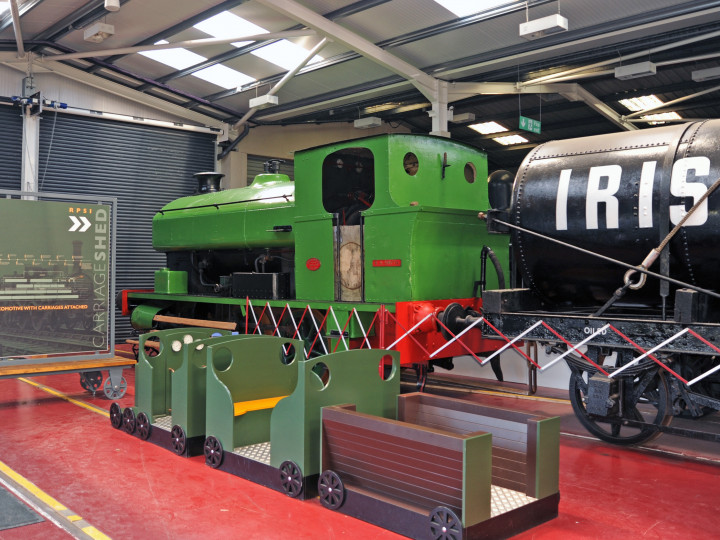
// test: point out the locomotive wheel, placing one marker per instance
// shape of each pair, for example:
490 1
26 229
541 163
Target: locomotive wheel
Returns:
647 399
213 452
143 426
291 478
116 417
178 439
445 525
331 490
128 420
115 392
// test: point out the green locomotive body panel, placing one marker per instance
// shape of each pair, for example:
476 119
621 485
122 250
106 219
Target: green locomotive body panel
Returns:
233 219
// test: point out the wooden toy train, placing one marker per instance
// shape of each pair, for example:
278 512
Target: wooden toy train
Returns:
378 244
336 426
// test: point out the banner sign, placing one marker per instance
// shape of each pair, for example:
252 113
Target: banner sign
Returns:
55 271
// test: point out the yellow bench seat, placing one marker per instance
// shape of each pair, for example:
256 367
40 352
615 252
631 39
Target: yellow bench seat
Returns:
241 407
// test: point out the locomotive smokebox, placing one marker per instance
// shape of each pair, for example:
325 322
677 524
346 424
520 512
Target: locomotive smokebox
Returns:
618 195
208 182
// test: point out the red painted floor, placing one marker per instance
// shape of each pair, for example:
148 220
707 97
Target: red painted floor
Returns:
128 488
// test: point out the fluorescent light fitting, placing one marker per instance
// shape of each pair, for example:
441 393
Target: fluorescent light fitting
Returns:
367 122
98 32
462 118
641 103
545 26
486 128
263 102
633 71
705 74
510 139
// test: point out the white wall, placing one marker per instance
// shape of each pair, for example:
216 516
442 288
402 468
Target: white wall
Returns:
283 141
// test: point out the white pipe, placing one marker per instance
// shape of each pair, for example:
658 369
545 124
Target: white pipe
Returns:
16 27
282 82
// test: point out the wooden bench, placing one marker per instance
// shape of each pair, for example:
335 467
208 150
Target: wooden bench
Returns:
241 407
151 344
65 366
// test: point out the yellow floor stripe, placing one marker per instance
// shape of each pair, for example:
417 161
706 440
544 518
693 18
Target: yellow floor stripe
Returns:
77 402
92 532
28 486
32 488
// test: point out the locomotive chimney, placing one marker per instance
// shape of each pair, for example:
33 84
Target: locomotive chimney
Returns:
208 182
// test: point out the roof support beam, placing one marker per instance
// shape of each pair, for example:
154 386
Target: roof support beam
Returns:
16 27
125 92
433 89
189 44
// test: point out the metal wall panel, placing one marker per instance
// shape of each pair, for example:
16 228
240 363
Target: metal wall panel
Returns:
10 148
144 167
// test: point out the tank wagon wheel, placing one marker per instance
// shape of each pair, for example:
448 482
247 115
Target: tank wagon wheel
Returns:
213 452
178 439
115 392
291 478
647 399
91 381
143 426
331 490
116 417
136 351
128 420
445 525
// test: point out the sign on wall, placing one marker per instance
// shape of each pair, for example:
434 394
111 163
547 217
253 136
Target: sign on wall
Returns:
55 278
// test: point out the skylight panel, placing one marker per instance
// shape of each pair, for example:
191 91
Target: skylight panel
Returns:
285 54
641 103
178 58
487 128
227 25
223 76
659 118
510 139
463 8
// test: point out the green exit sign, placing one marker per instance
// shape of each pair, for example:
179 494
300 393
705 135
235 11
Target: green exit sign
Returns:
528 124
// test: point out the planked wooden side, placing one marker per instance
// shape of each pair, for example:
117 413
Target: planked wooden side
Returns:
416 465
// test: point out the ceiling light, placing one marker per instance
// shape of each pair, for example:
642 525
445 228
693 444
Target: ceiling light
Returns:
112 5
263 102
488 127
545 26
367 122
98 32
510 139
641 103
705 74
633 71
462 118
660 118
